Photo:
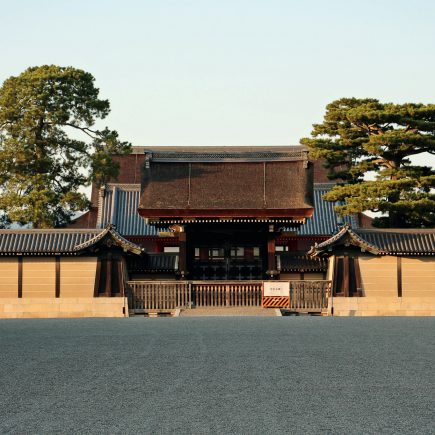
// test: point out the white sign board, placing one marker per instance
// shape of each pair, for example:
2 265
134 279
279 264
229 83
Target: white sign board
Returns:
276 288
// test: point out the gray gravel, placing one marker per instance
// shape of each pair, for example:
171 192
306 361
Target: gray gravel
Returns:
218 375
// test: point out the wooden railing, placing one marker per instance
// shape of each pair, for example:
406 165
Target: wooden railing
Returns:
309 295
159 295
227 294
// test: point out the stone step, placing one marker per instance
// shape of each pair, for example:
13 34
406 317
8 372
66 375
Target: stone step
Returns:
230 312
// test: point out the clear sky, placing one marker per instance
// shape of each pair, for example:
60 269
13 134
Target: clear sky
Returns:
227 72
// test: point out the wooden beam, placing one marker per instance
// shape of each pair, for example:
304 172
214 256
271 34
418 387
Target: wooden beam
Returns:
57 258
20 277
399 277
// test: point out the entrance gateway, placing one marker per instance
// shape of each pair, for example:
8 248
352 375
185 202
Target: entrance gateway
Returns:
226 207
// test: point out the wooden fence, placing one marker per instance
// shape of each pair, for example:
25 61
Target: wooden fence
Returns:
159 295
170 295
227 294
309 295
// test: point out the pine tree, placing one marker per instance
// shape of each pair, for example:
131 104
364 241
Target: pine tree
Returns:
363 136
43 162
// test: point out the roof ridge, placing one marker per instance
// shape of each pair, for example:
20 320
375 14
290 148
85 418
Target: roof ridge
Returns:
49 230
396 230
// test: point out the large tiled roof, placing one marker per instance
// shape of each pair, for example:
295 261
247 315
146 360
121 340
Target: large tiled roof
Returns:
121 211
276 189
58 241
324 221
383 241
397 241
118 206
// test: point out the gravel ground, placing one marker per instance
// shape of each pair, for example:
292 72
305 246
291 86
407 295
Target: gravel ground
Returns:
218 375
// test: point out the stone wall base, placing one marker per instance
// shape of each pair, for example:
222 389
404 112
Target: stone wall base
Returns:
382 306
63 307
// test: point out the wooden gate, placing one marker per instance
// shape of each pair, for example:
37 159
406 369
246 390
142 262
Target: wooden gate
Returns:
309 296
227 294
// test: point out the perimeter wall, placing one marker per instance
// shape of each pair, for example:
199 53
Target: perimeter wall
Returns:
391 286
53 287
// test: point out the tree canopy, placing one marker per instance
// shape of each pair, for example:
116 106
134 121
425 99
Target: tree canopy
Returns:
49 147
360 137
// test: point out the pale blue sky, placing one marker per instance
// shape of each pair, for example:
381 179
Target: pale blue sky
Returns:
239 72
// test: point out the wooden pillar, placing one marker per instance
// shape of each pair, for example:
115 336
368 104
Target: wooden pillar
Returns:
358 280
346 276
399 277
182 261
271 260
121 277
57 291
20 277
97 278
108 288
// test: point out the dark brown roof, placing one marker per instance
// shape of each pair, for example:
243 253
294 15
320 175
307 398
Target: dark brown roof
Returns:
385 242
154 262
247 184
130 167
289 262
59 241
226 153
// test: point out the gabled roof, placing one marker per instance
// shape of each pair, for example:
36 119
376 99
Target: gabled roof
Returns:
60 241
384 242
118 240
154 262
227 183
118 205
290 262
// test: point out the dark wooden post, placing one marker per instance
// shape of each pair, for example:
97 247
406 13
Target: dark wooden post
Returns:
57 287
121 277
20 277
271 260
108 288
182 261
399 277
346 275
97 278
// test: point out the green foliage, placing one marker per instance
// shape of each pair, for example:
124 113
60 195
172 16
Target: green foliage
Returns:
359 136
4 221
42 163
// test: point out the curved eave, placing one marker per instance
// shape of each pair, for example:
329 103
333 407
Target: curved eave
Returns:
296 213
345 237
116 237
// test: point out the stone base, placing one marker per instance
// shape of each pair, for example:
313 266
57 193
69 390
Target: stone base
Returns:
63 307
382 306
